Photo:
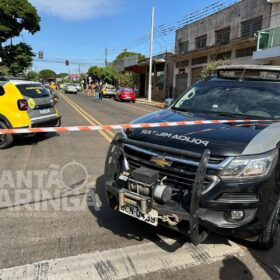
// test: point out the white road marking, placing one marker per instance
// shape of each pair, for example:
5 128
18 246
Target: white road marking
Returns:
124 262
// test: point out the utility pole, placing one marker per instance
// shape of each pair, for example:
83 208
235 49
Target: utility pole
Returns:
106 57
151 56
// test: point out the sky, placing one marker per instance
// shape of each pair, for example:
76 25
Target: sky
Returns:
81 30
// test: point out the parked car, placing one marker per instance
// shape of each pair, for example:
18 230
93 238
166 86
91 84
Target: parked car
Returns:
79 87
213 176
25 104
71 89
108 91
126 94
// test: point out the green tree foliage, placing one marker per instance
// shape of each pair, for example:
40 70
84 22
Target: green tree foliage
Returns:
106 74
17 15
111 75
47 74
17 58
211 67
33 76
62 75
4 71
126 79
126 54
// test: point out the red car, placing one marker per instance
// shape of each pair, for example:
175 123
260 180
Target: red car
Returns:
126 94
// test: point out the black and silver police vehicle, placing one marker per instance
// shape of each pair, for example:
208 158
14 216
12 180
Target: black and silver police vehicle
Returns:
210 177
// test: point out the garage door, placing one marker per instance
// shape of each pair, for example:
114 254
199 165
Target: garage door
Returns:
196 72
181 83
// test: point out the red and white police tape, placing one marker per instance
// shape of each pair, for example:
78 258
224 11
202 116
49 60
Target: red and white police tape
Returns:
124 126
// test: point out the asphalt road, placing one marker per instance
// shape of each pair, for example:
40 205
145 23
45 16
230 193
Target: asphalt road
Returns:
55 225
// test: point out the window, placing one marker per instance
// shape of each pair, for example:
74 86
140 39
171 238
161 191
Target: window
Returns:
181 64
250 27
183 47
221 56
199 60
200 42
33 90
245 52
160 80
223 36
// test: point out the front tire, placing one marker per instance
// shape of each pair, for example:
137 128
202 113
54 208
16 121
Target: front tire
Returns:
6 141
269 236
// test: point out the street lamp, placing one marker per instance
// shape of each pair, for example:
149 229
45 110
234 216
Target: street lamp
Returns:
151 56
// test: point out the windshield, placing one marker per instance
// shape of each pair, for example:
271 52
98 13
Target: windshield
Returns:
127 90
33 90
259 99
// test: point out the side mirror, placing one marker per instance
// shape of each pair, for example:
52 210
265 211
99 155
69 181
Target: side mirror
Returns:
2 91
168 102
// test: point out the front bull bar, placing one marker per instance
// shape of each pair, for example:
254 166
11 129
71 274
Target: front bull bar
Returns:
195 233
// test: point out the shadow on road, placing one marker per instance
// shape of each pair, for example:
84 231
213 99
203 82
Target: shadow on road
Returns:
21 140
130 228
234 269
269 260
124 226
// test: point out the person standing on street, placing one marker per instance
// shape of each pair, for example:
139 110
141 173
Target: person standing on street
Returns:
97 93
100 93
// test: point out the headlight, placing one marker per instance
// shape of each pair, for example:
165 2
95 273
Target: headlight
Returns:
250 166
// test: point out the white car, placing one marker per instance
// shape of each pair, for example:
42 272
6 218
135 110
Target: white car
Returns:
71 89
79 88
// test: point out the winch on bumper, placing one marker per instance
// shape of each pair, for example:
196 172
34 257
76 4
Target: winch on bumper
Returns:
143 192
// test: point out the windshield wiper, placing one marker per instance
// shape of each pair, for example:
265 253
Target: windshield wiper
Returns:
233 115
180 109
226 114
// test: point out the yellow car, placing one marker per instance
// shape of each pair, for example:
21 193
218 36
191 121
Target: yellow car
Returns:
25 104
108 90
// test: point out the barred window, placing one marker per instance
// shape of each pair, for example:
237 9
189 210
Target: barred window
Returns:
250 27
199 60
181 64
222 56
245 52
223 36
200 42
183 47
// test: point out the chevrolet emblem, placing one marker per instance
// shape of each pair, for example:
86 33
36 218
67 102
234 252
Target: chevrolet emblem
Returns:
161 162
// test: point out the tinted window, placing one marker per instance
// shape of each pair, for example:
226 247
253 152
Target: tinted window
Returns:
253 98
33 90
127 90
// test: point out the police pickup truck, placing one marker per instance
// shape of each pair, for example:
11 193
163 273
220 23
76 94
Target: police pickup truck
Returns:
220 177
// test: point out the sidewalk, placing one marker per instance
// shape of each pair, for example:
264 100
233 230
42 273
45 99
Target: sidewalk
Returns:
153 103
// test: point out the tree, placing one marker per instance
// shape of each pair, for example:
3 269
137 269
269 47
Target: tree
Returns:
4 71
17 58
126 54
212 66
17 15
107 74
62 75
32 75
47 74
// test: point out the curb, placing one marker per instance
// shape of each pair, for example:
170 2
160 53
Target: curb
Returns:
153 104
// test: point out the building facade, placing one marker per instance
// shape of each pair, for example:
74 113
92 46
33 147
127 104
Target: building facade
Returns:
268 40
229 34
162 76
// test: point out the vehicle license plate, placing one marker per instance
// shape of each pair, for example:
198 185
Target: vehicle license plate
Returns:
151 218
45 111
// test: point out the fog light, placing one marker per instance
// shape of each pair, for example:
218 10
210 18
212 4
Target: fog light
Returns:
235 216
